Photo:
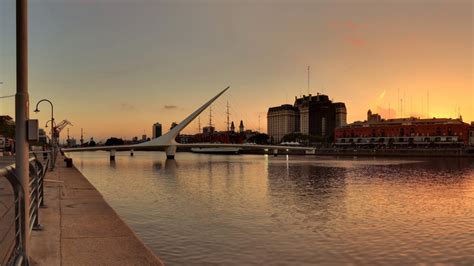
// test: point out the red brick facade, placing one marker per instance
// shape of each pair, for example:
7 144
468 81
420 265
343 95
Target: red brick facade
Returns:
404 129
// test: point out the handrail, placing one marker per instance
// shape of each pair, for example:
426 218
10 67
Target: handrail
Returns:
35 188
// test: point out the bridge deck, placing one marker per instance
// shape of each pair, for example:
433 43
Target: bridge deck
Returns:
80 228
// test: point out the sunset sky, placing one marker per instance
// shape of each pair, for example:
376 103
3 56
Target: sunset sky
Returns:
115 67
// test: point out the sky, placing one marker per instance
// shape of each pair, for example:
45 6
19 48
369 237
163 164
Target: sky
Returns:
115 67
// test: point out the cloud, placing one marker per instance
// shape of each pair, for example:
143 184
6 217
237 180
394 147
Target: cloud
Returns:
351 30
345 25
168 107
382 95
127 107
355 41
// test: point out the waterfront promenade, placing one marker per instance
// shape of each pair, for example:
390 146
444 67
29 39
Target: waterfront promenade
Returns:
80 228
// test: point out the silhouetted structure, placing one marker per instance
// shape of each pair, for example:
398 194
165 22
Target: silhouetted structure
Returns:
241 127
313 115
157 130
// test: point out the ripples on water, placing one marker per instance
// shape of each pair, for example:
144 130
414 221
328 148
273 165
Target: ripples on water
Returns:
253 209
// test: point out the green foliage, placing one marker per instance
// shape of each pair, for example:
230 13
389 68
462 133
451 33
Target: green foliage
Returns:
114 142
302 138
7 130
259 139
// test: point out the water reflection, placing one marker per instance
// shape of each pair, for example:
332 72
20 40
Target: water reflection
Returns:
204 209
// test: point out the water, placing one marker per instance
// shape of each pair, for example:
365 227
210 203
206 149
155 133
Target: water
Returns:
254 209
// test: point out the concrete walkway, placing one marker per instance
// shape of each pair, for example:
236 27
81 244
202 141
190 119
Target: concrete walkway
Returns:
80 228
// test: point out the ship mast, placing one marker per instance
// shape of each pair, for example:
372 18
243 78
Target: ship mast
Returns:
210 116
228 114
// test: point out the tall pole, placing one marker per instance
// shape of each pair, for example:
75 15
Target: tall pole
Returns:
82 137
22 115
308 80
199 124
228 114
210 117
428 104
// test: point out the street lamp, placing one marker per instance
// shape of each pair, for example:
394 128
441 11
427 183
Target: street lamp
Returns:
52 129
46 125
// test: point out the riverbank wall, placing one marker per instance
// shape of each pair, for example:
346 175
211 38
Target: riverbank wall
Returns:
80 228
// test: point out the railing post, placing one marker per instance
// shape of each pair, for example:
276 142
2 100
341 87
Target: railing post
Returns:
43 173
34 199
19 252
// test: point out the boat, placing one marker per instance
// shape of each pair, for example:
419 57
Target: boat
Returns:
217 150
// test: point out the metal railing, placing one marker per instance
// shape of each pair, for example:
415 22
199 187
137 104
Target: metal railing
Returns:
37 173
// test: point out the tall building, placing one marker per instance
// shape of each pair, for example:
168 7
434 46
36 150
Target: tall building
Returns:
341 114
310 115
317 115
471 134
157 130
282 120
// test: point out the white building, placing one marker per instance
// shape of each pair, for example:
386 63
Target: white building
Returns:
282 120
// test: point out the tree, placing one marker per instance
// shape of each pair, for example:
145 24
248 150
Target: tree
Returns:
7 129
114 142
260 138
302 138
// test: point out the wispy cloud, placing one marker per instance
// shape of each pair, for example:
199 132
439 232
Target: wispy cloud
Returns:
382 95
168 107
346 25
127 107
350 31
356 41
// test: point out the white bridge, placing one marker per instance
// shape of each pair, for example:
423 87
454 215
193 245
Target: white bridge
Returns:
167 142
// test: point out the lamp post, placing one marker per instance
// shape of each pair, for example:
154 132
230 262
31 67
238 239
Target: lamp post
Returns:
47 122
21 117
53 155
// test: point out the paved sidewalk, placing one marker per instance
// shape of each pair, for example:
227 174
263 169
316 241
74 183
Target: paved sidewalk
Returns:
80 228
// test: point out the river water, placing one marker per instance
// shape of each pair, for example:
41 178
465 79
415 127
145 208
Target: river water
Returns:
296 210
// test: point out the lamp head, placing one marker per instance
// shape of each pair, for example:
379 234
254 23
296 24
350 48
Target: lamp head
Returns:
36 110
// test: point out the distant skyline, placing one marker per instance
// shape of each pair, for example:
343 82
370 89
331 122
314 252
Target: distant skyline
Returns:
115 68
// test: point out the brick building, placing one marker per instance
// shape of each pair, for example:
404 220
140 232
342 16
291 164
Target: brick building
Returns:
405 131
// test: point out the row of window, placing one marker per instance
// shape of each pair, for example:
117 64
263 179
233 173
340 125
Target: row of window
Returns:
392 140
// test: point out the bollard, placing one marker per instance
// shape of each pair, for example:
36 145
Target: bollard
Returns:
68 162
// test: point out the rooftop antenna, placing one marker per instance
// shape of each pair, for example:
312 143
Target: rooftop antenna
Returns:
82 136
228 114
258 122
401 108
308 78
403 98
422 107
428 103
398 102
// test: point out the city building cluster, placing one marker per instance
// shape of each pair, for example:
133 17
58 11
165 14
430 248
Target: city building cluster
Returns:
376 131
312 115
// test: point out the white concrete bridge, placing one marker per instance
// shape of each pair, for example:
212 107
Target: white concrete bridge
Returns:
167 142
